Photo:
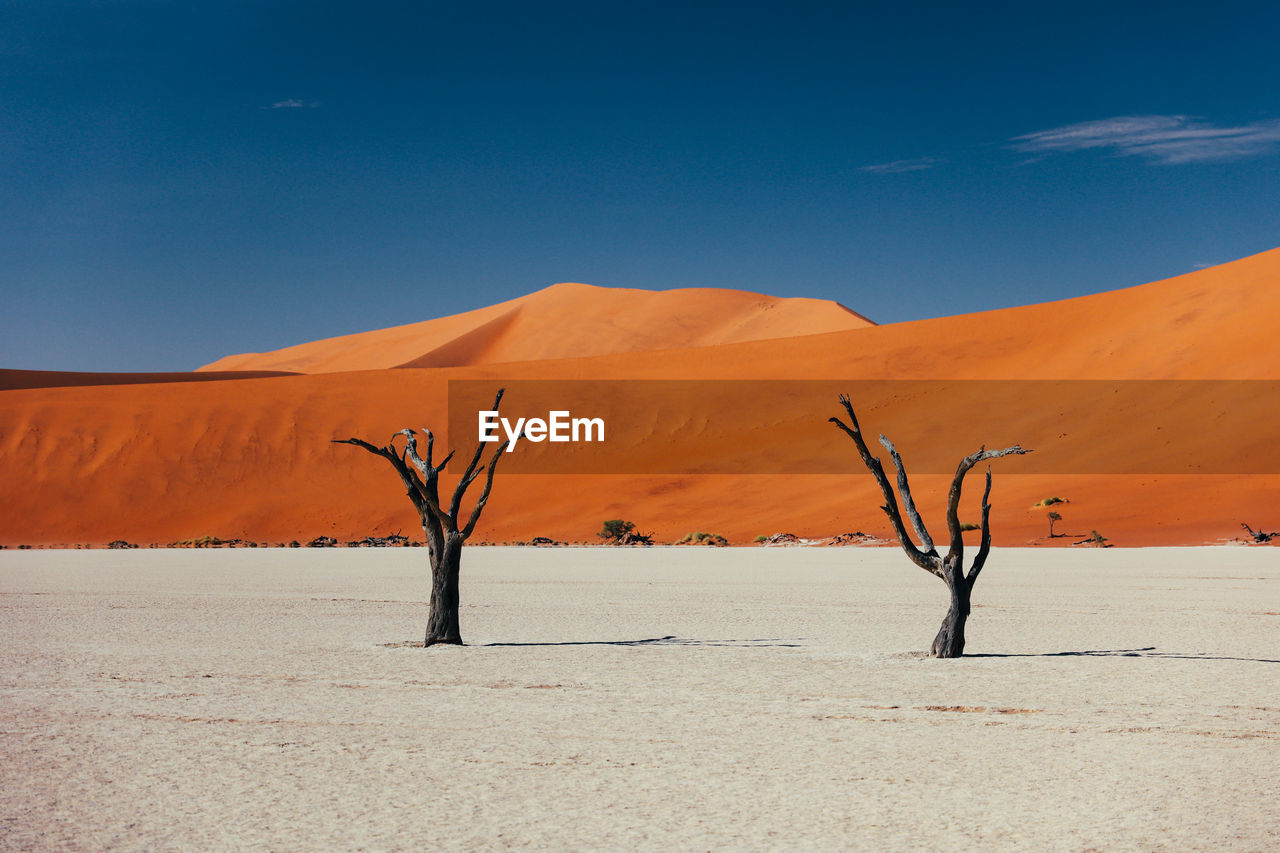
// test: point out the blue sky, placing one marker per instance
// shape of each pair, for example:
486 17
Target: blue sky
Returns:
184 180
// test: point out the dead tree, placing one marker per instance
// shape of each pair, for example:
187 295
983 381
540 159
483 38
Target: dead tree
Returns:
1258 536
950 640
445 537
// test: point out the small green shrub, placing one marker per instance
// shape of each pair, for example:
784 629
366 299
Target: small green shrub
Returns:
1049 502
966 526
761 538
701 537
615 528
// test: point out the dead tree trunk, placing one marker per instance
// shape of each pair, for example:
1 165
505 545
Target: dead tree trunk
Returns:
442 619
445 538
949 643
950 640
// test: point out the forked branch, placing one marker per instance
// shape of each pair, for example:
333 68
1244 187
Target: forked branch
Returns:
484 493
464 482
925 560
423 483
955 555
413 485
926 555
908 502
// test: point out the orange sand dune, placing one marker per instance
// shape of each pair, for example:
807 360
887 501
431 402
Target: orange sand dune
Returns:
1216 323
563 321
252 458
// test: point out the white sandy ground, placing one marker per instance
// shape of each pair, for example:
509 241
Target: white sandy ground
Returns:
196 700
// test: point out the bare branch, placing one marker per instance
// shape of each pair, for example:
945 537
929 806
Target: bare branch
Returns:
431 440
466 484
925 561
376 451
956 552
466 478
411 450
414 487
848 408
470 474
421 491
426 486
908 502
984 548
484 493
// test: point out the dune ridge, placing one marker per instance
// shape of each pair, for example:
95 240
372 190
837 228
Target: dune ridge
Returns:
563 321
251 458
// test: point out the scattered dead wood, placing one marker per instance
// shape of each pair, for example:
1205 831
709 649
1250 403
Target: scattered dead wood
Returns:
1258 536
213 542
395 540
855 538
1095 540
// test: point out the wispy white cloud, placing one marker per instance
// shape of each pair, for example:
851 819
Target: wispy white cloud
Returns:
1162 139
898 166
293 104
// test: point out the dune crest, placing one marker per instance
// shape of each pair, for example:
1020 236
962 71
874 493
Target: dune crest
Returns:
563 321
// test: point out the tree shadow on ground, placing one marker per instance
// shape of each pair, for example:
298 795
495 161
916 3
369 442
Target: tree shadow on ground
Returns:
772 642
1145 652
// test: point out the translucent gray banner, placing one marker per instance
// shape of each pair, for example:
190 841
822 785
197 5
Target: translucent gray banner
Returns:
665 427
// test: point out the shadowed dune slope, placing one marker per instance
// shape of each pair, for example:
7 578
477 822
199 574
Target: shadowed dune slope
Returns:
14 379
252 458
563 321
